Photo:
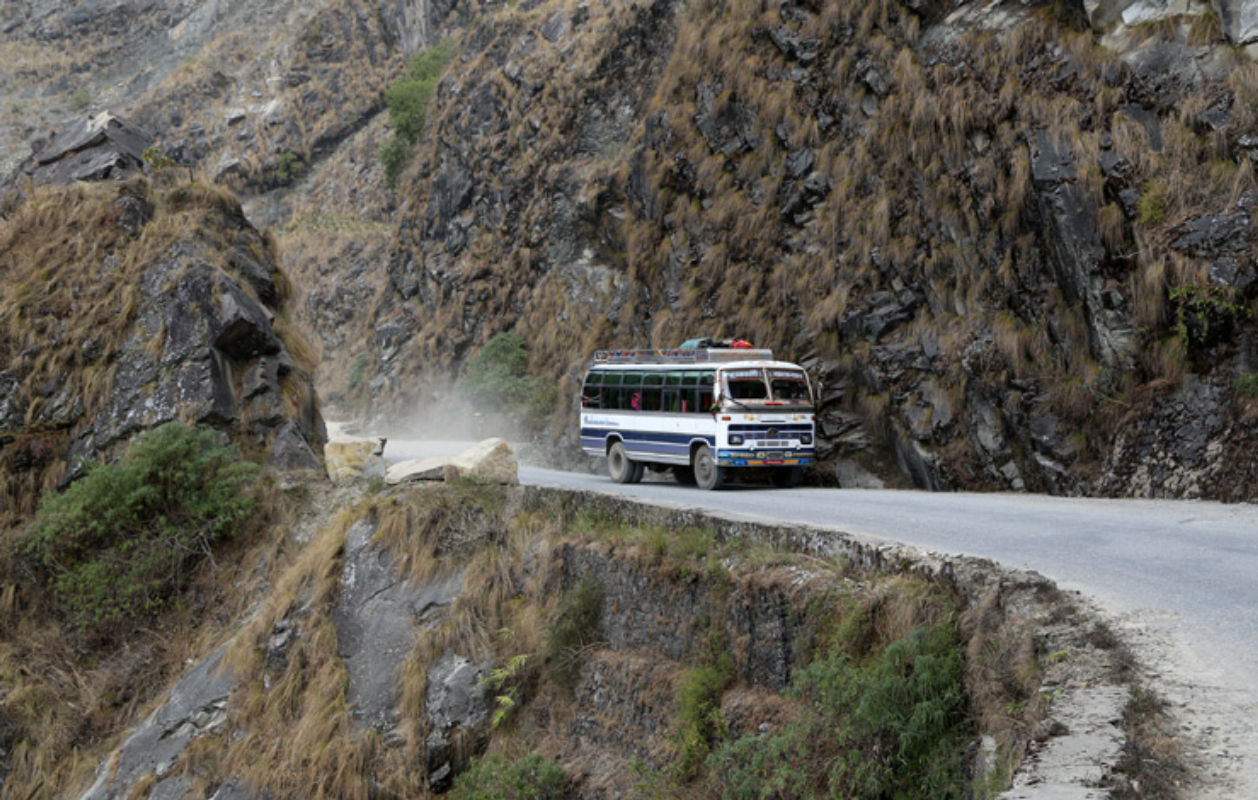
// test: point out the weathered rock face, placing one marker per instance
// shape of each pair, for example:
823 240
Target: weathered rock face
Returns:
167 315
457 705
377 622
196 707
978 298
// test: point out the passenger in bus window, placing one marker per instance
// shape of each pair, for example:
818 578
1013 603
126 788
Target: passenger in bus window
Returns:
635 402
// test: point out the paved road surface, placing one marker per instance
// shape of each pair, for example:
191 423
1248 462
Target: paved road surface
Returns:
1185 571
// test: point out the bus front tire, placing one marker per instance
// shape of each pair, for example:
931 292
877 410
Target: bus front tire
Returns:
620 467
708 474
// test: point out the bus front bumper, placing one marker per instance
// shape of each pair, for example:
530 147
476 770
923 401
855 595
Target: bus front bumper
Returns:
764 458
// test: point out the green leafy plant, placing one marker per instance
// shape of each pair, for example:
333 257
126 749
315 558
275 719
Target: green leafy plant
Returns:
407 101
699 714
497 379
574 628
1247 385
1152 205
356 371
891 727
1204 314
503 681
120 542
497 778
79 99
287 166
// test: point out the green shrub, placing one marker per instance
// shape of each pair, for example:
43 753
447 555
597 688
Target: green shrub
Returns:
1247 385
496 778
1152 205
575 627
699 713
894 727
497 379
121 541
79 99
1205 314
407 101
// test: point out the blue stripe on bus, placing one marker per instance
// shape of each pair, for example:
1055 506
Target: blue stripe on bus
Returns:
648 436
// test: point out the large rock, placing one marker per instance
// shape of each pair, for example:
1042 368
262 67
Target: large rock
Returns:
103 147
350 460
377 620
490 461
196 707
457 705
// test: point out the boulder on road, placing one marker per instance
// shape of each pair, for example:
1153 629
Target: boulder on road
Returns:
353 459
491 460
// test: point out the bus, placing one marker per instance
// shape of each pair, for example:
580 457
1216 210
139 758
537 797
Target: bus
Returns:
701 412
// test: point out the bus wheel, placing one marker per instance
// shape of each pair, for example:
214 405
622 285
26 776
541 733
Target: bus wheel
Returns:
620 467
708 474
788 477
684 475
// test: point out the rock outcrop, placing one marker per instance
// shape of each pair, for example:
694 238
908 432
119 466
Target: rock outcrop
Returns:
196 706
489 461
96 148
162 305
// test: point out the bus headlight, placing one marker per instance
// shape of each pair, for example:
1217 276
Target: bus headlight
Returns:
805 438
735 438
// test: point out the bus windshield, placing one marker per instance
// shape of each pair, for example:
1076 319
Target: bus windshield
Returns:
746 384
770 387
789 386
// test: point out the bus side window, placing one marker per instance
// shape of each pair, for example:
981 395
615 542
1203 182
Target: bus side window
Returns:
611 391
651 390
672 400
591 394
705 400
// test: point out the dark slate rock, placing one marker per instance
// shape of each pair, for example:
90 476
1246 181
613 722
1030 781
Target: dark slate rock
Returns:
176 787
196 707
255 275
291 449
451 195
133 213
457 705
377 620
728 128
102 147
794 46
242 327
556 26
799 162
1231 273
1214 235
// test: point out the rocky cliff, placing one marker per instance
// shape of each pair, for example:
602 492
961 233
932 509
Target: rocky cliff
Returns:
429 631
1000 241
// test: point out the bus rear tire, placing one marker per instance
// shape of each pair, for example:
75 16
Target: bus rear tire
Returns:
708 474
788 477
684 475
620 467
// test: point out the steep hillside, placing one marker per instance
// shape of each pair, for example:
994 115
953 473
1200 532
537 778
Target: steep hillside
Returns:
996 243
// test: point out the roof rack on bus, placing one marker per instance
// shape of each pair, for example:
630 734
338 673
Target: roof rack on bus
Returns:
681 355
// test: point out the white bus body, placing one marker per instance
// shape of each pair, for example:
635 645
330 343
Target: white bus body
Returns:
701 412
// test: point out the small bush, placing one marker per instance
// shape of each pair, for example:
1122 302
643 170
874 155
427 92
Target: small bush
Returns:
1204 314
79 99
497 379
575 627
496 778
407 101
892 727
121 541
699 713
1152 205
1247 385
